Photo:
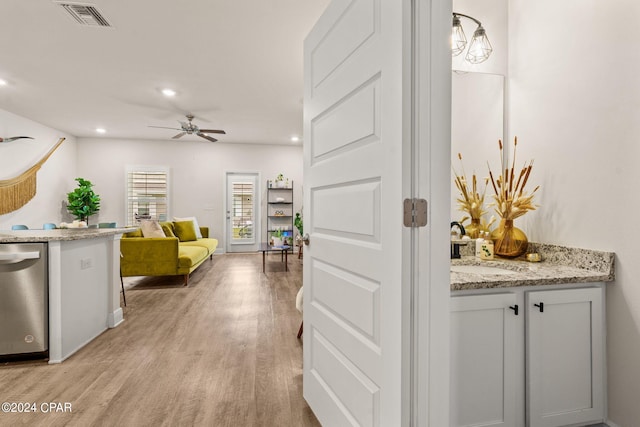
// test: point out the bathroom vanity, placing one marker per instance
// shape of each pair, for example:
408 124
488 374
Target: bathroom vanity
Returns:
528 339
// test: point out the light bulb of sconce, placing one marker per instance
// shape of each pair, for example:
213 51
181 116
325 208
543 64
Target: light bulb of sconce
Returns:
295 138
101 130
458 38
480 48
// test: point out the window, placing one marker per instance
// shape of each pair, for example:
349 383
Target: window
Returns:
242 218
147 193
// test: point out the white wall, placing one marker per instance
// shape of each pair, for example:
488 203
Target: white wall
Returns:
55 178
197 174
575 106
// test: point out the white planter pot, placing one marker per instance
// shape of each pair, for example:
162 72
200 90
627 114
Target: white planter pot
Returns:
279 184
277 241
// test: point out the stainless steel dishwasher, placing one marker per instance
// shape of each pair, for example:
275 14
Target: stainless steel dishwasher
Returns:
24 300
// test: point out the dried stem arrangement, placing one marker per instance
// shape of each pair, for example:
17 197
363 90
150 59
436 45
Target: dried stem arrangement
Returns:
511 199
471 200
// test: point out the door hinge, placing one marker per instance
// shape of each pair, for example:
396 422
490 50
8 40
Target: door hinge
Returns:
415 212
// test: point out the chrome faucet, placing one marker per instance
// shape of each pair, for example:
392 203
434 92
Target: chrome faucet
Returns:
455 247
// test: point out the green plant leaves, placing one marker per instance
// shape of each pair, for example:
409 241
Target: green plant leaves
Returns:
82 201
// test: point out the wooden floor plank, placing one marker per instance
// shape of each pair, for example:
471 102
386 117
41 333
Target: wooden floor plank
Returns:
220 352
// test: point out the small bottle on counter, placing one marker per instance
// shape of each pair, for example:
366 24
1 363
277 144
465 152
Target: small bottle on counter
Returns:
486 250
479 242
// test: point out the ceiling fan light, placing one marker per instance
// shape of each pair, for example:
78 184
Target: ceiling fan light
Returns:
458 38
480 48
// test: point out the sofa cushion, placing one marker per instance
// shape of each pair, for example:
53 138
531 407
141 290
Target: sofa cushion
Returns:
209 244
151 228
185 230
167 227
188 256
195 224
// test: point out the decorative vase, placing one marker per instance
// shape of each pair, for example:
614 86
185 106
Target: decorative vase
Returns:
509 241
473 230
280 184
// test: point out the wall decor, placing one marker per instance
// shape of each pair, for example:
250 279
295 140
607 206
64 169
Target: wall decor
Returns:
18 191
13 138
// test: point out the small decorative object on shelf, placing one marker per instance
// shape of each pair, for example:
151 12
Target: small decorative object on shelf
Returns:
511 202
280 181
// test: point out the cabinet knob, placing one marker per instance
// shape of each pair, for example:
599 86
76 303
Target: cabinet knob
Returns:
540 306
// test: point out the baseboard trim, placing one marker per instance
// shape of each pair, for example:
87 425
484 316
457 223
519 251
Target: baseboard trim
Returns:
611 424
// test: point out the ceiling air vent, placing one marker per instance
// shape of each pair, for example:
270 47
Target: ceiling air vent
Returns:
85 14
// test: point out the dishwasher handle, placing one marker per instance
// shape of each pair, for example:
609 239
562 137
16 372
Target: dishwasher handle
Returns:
16 257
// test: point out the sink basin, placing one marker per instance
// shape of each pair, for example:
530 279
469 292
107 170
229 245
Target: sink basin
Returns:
479 269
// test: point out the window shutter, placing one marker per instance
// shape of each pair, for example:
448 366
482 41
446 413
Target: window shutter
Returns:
147 195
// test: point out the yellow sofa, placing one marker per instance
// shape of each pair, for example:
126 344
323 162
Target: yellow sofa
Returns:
164 256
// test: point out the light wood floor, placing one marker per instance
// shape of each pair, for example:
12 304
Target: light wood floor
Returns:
220 352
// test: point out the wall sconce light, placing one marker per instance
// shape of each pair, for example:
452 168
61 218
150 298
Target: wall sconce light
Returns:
479 50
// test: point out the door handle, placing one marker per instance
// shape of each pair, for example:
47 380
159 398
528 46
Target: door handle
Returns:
305 239
16 257
540 306
514 308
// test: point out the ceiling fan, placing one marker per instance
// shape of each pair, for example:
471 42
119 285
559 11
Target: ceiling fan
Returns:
188 128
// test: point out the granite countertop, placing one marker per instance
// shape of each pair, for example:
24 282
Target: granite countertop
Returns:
559 265
66 234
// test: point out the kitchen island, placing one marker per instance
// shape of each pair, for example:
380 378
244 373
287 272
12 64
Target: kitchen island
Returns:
83 283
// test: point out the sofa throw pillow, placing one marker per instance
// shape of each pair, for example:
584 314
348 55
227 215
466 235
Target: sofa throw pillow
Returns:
167 227
195 224
135 233
185 231
151 228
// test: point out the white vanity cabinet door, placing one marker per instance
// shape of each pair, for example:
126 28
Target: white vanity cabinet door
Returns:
565 357
483 342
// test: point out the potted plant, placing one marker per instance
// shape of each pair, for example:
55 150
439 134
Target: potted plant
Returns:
276 236
280 181
297 222
83 201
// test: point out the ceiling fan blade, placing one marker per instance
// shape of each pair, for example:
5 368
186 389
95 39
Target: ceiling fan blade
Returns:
164 127
178 135
213 131
202 135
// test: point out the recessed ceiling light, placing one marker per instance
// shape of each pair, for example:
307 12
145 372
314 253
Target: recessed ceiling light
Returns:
295 138
101 130
3 82
168 92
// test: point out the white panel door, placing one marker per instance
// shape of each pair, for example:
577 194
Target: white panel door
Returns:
565 357
353 186
484 338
